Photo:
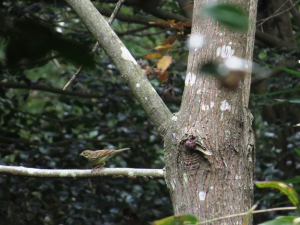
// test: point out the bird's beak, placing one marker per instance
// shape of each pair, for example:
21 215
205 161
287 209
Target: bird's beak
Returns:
81 154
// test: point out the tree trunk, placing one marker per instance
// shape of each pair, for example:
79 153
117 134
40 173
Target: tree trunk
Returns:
209 144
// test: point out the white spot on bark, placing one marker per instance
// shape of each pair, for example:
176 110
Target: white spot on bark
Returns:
250 159
190 79
240 84
237 177
185 178
185 130
225 51
130 173
137 85
199 92
173 183
202 195
205 107
225 105
146 98
211 187
127 55
174 118
31 171
153 89
212 104
196 41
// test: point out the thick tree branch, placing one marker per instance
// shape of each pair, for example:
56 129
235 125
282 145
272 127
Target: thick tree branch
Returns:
126 64
76 173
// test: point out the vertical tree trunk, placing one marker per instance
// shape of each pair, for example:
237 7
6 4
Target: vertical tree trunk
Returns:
209 143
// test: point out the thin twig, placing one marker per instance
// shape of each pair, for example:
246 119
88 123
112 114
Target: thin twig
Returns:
245 213
96 46
278 14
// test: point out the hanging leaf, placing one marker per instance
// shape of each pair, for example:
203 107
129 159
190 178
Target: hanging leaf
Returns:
163 76
162 48
285 188
153 55
164 62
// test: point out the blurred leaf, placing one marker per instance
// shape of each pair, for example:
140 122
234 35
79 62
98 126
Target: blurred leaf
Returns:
163 76
30 41
229 15
290 71
286 189
177 220
164 62
285 220
153 55
297 150
74 52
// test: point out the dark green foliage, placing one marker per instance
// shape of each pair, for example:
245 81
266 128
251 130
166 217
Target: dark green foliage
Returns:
41 129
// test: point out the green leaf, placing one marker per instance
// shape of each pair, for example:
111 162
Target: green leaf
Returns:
294 72
280 92
284 220
177 220
229 15
285 188
297 150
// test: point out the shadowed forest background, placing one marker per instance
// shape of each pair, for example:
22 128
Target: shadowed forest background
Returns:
42 44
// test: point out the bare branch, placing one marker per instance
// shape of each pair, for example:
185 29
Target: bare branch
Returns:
125 63
77 173
43 87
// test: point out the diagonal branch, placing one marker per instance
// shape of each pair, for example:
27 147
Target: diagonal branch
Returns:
125 63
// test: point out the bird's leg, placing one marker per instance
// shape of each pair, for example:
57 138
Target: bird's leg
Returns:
99 167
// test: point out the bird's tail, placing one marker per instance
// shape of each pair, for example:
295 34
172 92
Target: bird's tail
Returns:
121 150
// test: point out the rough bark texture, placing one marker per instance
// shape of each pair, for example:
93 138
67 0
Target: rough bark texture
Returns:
209 145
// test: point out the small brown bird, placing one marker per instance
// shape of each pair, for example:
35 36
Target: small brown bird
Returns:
99 157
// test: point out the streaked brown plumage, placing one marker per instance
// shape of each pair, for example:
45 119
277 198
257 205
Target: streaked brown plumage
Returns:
98 157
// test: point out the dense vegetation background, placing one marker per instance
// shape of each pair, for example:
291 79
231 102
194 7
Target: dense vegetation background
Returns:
42 43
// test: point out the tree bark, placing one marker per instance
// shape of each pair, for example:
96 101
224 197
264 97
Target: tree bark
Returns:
209 145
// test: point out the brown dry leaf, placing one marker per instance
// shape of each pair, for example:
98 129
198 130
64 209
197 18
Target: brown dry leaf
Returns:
187 23
170 40
162 48
163 76
164 63
179 26
153 55
164 23
171 23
